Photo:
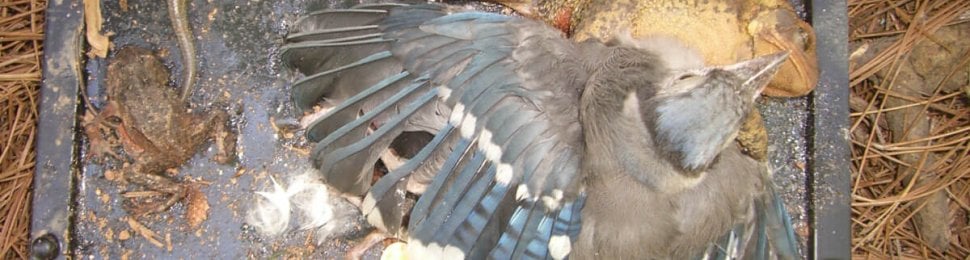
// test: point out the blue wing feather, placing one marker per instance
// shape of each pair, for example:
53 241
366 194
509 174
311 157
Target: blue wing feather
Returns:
471 60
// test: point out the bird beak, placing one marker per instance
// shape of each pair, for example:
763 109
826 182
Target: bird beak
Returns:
758 72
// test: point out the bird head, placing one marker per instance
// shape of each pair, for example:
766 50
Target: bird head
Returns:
698 111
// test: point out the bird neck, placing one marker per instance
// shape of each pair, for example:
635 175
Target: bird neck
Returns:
617 139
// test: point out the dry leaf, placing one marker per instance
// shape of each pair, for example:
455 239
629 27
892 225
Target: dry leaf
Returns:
197 209
92 21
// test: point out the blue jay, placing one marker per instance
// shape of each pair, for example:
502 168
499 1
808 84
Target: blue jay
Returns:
542 147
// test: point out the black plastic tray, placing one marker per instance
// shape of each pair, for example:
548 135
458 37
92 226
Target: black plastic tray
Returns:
809 144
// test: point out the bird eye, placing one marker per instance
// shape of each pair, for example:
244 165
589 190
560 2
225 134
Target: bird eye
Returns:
685 76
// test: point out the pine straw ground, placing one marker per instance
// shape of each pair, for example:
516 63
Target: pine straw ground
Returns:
910 56
886 198
21 34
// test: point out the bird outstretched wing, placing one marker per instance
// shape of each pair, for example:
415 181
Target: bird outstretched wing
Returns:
501 177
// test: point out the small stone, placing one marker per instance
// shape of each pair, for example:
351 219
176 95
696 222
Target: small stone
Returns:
124 235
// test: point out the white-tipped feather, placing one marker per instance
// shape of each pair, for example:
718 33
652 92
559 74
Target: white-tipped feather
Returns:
554 200
559 246
522 192
492 151
504 174
456 114
444 92
468 126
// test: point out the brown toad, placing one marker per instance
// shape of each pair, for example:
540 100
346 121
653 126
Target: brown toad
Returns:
151 124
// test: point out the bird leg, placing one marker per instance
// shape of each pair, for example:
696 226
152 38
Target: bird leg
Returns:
369 241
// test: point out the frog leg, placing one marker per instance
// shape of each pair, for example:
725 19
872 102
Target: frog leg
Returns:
159 183
97 127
